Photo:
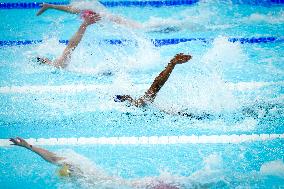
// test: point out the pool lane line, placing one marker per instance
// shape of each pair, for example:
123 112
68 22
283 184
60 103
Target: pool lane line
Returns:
242 40
156 42
151 140
71 88
35 5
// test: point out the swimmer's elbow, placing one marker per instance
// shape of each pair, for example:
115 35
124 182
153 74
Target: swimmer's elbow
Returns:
125 22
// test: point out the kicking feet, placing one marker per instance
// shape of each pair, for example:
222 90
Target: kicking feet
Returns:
44 7
180 58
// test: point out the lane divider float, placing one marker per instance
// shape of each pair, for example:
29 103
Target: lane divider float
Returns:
38 89
156 42
35 5
151 140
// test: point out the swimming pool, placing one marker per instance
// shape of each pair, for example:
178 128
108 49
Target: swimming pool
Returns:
236 75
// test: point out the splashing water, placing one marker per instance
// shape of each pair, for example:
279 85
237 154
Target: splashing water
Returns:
222 79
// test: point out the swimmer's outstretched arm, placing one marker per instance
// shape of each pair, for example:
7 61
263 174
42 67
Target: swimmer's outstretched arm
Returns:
161 79
65 8
123 21
113 18
61 62
158 83
45 154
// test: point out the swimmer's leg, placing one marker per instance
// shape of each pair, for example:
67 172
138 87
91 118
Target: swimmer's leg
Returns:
158 83
65 8
161 79
61 62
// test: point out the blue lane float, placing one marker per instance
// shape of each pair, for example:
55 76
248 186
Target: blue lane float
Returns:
23 5
35 5
148 3
156 42
174 41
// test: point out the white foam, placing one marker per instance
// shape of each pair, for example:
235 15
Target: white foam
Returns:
161 140
211 171
277 18
275 168
243 86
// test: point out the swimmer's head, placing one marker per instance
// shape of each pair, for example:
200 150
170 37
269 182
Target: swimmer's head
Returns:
64 171
117 98
120 98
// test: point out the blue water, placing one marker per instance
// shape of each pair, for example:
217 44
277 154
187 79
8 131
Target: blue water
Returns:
198 86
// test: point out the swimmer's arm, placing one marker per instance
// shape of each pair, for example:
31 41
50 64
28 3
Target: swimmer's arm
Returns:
45 154
123 21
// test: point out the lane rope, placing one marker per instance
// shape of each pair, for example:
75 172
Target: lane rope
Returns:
156 42
38 89
35 5
146 140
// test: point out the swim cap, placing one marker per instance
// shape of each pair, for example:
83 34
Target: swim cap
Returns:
118 98
64 171
87 13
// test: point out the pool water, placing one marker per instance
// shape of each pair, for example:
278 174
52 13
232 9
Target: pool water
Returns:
240 85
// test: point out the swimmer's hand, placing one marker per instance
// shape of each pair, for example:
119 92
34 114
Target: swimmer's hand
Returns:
91 18
180 58
44 7
20 142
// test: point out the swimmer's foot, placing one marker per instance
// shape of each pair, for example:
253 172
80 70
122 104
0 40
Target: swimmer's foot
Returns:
180 58
44 7
43 60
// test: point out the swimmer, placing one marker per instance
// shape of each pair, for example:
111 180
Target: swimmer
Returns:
104 14
158 83
98 8
88 19
254 111
71 170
